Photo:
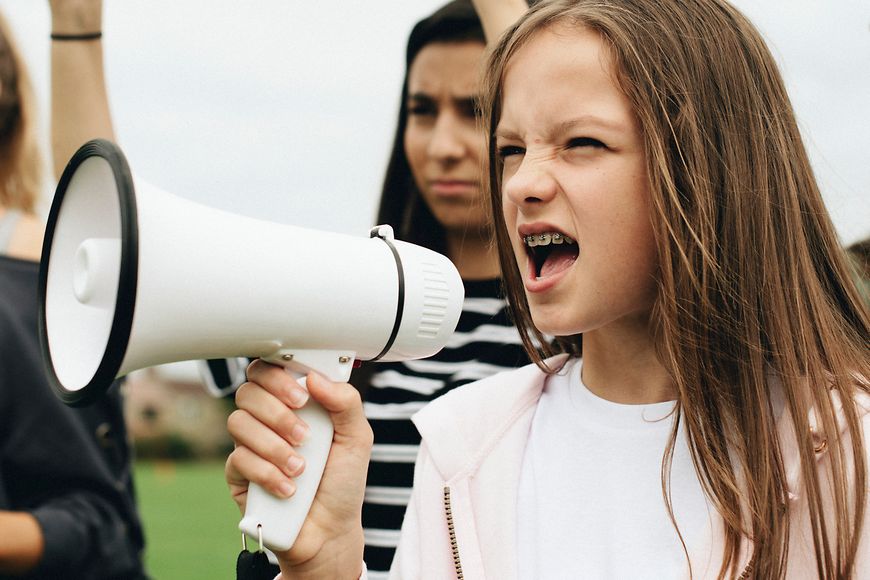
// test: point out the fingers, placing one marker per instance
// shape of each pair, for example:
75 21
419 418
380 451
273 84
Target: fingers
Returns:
266 429
344 405
278 382
260 404
251 434
341 400
244 466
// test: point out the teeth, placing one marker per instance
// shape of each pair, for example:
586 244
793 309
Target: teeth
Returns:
547 238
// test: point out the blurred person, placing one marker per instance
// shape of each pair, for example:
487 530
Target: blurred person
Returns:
67 503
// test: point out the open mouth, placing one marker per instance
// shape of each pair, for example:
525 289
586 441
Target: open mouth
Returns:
550 252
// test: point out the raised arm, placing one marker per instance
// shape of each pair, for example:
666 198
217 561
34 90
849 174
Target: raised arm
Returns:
79 102
498 15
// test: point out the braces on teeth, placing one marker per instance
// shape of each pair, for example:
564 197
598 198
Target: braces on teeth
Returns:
546 239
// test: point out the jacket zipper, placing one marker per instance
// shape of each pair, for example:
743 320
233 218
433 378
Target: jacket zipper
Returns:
451 529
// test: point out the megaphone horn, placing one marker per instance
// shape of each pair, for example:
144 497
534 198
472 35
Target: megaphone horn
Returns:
132 277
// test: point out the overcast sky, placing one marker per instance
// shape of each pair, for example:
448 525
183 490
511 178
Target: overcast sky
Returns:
284 109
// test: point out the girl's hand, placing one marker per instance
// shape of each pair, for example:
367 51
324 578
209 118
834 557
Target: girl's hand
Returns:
76 16
265 429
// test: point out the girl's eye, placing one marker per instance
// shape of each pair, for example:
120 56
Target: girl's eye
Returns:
509 150
585 142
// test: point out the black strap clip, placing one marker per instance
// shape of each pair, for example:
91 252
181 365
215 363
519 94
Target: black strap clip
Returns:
254 565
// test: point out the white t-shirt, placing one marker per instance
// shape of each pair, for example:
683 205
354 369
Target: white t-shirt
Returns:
590 501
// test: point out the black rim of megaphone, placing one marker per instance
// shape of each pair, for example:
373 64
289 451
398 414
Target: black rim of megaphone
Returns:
122 322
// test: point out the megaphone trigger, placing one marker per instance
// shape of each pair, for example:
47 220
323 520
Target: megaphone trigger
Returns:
335 365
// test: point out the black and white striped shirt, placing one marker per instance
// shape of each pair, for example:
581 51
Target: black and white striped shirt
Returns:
485 342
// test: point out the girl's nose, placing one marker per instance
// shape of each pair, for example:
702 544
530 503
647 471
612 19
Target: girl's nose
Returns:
531 183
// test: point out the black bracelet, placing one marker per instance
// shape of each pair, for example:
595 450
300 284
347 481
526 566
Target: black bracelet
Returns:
85 36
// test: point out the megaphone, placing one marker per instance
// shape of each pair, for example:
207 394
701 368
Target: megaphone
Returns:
132 277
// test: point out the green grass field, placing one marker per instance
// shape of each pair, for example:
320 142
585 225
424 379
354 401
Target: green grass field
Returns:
190 521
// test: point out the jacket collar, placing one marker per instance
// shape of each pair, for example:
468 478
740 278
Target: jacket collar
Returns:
458 436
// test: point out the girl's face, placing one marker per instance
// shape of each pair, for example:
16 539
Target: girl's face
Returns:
443 143
575 175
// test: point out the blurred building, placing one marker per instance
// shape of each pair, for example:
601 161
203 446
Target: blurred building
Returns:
170 415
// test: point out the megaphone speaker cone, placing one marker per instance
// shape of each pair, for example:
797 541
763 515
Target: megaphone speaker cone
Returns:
88 273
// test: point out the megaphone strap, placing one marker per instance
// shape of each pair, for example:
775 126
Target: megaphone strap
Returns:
400 302
254 566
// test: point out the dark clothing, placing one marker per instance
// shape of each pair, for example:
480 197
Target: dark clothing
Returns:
69 467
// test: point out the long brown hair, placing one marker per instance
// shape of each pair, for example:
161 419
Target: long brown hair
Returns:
755 300
20 160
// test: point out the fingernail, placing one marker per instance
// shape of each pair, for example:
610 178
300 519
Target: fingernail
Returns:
299 433
298 397
295 463
317 376
286 488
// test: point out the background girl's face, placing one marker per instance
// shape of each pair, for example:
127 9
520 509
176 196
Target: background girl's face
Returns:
575 173
443 143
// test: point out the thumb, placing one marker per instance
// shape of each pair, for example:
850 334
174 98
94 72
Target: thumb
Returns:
343 403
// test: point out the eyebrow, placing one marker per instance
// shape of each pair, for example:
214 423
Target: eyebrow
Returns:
462 100
586 121
563 127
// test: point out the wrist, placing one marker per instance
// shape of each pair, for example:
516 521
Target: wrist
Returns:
341 559
75 20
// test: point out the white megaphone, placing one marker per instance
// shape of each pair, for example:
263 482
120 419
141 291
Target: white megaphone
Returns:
133 277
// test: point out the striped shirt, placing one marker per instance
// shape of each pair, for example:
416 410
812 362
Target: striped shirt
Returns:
485 342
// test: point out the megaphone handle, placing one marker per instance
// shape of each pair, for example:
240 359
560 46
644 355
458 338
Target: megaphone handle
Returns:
278 521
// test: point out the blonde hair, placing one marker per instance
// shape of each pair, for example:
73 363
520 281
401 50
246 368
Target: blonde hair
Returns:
754 294
21 168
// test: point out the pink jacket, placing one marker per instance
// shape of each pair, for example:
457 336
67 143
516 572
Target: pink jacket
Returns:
462 523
